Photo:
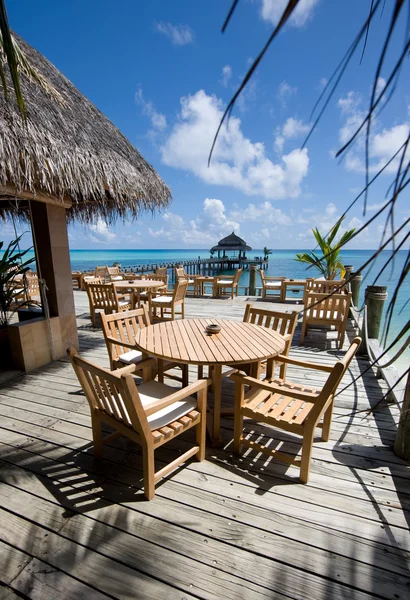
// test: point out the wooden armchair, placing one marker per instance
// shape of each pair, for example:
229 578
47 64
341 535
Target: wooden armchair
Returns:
323 286
165 303
120 330
150 414
101 272
180 274
273 285
103 296
161 271
324 311
290 406
282 322
225 282
113 274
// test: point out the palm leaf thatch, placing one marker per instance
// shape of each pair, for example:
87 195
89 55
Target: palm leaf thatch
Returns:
65 147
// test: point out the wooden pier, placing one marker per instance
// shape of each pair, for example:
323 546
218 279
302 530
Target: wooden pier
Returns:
75 527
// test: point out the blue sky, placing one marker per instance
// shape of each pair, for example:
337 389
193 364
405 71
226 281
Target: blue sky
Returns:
163 72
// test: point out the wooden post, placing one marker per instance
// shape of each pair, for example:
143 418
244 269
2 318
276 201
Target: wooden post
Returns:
49 225
348 271
355 283
252 280
375 297
402 442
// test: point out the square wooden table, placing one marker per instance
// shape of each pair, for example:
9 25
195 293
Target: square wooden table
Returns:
200 282
186 341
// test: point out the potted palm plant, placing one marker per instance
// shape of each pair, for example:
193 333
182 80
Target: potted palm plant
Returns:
12 267
329 264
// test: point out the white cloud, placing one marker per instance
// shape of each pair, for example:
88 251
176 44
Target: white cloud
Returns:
272 10
101 233
208 227
264 212
236 161
285 91
382 144
291 129
375 207
158 120
226 75
179 35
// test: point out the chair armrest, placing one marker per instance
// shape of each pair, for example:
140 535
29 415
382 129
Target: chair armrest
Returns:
131 369
305 365
273 278
218 277
193 388
271 387
120 343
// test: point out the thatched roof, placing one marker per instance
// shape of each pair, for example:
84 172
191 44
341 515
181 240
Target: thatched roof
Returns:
69 148
231 242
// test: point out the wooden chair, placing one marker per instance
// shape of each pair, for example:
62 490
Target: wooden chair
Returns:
103 296
289 406
180 274
144 296
323 286
150 414
225 282
120 330
324 311
282 322
171 302
113 274
161 271
101 272
273 285
32 287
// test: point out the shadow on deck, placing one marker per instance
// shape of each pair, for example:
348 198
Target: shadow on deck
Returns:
72 526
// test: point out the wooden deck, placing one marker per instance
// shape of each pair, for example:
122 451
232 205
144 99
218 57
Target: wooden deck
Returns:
72 527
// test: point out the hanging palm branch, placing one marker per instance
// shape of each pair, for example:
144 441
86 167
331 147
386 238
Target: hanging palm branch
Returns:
17 62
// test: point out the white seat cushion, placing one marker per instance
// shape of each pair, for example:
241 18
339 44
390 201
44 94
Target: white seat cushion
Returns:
225 281
151 391
123 302
131 357
162 300
273 284
116 278
191 280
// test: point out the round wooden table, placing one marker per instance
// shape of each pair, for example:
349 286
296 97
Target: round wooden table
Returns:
139 285
186 341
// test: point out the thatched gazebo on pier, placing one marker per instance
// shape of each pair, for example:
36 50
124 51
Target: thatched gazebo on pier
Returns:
231 247
65 160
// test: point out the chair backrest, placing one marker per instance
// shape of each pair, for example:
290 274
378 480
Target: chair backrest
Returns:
33 286
123 327
101 272
339 369
237 275
103 295
180 289
180 273
282 322
327 309
262 274
91 279
115 397
323 286
161 271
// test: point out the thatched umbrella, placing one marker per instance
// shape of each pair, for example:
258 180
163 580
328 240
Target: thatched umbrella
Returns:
66 148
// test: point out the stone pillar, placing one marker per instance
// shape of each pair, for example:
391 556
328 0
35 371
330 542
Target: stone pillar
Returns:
355 283
49 225
375 297
348 271
252 280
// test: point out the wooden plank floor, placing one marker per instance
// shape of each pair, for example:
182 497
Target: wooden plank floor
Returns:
74 527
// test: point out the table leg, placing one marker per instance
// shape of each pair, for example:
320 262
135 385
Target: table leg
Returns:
216 422
283 292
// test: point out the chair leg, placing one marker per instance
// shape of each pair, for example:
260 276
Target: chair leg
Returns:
97 436
306 454
327 421
201 427
200 371
238 418
149 472
303 333
183 309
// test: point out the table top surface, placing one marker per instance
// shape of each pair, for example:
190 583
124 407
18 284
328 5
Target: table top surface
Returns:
139 283
295 281
186 341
